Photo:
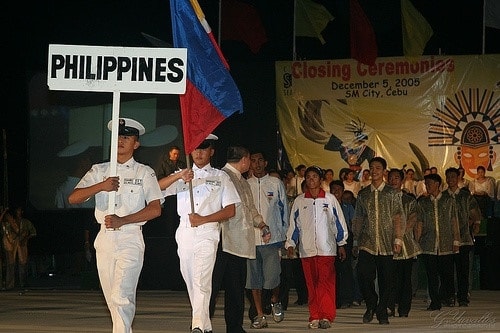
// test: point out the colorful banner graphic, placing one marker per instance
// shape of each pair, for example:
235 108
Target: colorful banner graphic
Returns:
440 111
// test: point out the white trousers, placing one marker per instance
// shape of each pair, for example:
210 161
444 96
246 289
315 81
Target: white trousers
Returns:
197 248
120 256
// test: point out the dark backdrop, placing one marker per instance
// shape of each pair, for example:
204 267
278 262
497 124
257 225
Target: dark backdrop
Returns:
30 27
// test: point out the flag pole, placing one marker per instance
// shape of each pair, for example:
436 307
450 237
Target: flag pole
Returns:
294 51
5 198
483 46
191 197
219 23
113 155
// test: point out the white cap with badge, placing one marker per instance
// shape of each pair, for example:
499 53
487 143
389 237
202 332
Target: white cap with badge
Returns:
127 126
208 142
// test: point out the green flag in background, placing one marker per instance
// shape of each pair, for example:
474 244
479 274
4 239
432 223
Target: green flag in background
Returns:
311 19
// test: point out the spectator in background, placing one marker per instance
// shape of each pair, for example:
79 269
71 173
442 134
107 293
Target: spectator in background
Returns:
275 173
289 181
343 173
462 181
327 179
351 184
348 197
299 177
421 189
365 179
483 189
409 183
17 231
172 164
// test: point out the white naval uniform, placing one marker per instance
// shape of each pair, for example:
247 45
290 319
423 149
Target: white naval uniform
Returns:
120 253
197 246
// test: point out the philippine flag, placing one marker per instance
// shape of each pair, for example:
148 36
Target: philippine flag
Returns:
211 93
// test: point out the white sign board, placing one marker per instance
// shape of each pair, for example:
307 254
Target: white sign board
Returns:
124 69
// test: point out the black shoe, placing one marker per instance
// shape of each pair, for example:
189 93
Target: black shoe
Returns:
345 306
403 315
196 330
383 321
390 312
433 307
368 316
448 302
463 303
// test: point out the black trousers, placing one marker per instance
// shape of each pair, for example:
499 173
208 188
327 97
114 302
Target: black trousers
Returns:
439 278
292 275
462 264
375 266
345 279
230 273
402 291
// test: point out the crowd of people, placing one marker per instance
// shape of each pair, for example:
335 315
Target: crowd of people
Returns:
353 240
258 233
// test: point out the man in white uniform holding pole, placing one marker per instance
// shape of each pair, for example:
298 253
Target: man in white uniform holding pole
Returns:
211 199
120 244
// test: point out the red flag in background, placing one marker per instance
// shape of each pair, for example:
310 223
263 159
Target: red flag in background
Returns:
241 22
363 41
211 93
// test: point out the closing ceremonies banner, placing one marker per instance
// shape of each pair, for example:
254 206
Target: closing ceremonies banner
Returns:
440 111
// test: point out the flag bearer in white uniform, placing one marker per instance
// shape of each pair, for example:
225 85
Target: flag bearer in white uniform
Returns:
197 236
120 245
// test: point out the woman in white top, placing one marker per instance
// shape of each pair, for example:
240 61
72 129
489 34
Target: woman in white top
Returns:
410 184
483 189
350 184
327 179
365 179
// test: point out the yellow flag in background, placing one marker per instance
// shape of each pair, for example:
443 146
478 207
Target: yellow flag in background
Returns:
311 19
416 30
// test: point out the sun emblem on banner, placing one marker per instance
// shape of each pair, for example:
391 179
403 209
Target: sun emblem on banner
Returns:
469 120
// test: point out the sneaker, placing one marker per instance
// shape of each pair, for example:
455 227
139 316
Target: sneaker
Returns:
324 323
313 324
277 311
259 322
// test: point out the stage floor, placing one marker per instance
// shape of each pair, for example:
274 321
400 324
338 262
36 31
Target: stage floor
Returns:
68 311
